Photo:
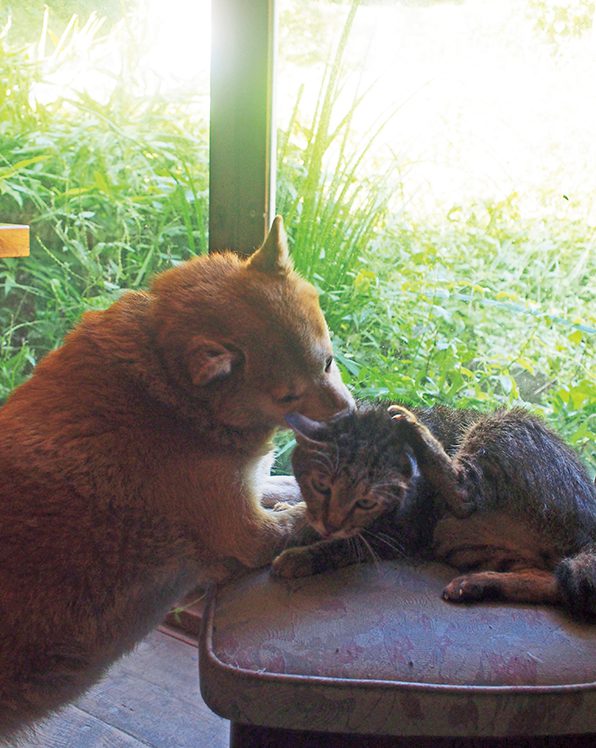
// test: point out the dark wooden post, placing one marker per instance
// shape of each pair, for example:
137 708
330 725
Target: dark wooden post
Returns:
242 142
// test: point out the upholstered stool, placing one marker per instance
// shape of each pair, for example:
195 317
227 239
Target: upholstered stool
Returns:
373 650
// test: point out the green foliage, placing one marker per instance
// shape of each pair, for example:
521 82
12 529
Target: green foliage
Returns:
484 306
331 209
23 14
476 310
113 191
558 19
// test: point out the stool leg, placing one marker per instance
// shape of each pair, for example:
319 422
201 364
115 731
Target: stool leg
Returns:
252 736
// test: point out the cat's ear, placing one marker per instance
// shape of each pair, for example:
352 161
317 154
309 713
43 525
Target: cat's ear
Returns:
208 361
306 430
273 257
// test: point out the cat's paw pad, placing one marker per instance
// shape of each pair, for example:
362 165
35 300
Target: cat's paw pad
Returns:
292 563
467 589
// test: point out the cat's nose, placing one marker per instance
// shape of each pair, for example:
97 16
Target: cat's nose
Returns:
330 529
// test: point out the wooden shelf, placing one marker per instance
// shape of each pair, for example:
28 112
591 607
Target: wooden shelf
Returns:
14 240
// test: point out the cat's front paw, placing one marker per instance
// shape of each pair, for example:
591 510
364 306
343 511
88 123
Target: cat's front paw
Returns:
402 415
292 563
407 425
470 588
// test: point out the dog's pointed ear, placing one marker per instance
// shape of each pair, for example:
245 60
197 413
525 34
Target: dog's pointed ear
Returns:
208 361
273 256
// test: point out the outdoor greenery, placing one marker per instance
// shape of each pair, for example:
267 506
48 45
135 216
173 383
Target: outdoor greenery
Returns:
482 306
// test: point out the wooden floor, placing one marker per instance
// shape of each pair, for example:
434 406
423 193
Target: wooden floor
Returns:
149 698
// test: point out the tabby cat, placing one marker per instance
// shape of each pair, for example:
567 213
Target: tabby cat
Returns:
499 497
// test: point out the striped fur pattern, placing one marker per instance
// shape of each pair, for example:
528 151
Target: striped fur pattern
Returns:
500 497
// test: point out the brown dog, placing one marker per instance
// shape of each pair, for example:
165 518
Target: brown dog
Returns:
134 459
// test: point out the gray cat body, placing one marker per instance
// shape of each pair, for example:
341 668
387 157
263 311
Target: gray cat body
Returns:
498 496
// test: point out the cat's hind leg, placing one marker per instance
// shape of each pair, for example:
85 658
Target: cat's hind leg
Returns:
576 576
523 586
435 464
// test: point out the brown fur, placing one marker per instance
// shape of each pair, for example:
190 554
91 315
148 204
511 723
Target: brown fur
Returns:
133 462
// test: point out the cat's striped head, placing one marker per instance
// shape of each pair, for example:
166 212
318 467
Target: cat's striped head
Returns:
351 470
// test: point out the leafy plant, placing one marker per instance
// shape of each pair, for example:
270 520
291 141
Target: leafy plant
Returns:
333 208
113 192
482 306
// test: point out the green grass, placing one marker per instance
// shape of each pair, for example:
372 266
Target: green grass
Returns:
333 212
497 316
113 191
483 306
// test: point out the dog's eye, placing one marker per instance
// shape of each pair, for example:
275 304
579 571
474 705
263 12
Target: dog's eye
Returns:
328 363
366 504
289 398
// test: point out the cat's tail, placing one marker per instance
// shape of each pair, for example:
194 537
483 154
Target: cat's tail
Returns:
576 576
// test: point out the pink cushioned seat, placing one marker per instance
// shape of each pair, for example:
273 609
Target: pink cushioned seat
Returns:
373 649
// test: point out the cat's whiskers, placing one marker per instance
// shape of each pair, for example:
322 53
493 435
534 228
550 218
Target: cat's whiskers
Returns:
392 543
375 558
392 539
355 548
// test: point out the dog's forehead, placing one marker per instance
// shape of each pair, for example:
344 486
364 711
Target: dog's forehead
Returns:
287 307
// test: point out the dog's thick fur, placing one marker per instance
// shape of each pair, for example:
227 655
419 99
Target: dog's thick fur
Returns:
132 463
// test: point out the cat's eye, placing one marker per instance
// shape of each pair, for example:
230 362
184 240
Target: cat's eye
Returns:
328 363
321 486
366 504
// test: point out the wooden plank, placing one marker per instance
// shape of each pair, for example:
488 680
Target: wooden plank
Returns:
73 727
14 240
153 695
164 661
242 134
149 698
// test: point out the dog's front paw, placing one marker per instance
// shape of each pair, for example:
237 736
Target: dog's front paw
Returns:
292 563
